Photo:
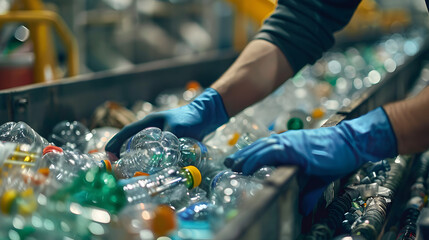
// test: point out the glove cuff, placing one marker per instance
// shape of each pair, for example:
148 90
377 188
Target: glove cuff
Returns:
373 135
211 105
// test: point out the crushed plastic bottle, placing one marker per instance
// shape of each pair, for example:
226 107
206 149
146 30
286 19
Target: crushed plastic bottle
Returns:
149 151
65 165
20 132
149 188
71 135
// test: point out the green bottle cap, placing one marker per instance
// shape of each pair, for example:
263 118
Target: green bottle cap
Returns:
295 124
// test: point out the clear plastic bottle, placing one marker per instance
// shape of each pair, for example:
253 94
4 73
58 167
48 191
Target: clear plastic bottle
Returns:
194 221
149 151
16 195
65 165
148 218
242 128
228 189
209 160
173 98
14 155
20 132
100 137
71 135
149 188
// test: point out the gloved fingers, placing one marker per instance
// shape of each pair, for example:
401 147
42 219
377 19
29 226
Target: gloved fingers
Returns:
115 144
268 156
236 160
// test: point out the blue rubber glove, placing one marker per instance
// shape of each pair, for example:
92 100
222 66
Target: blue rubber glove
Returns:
336 150
196 119
323 152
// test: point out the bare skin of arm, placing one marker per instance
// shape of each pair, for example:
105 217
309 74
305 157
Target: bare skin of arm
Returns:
258 71
410 121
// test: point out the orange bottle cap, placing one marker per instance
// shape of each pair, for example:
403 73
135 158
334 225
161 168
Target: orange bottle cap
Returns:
193 85
318 113
164 220
138 174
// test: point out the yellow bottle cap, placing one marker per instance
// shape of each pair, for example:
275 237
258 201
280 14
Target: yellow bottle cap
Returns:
30 205
164 221
196 175
7 200
318 113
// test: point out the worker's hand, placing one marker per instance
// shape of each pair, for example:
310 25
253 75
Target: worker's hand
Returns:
326 151
197 119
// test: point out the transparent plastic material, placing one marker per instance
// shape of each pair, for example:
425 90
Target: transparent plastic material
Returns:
71 135
100 137
21 133
149 188
66 165
149 151
150 219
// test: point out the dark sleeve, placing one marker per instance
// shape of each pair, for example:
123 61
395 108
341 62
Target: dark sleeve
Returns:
303 29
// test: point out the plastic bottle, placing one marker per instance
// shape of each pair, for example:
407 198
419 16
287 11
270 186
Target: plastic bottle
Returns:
65 165
151 219
228 189
149 151
16 195
20 132
242 128
14 155
71 135
209 160
173 98
100 137
149 188
194 221
192 196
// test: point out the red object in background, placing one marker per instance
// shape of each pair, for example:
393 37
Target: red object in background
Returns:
16 71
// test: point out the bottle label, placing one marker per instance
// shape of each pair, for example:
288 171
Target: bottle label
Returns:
129 143
203 149
217 178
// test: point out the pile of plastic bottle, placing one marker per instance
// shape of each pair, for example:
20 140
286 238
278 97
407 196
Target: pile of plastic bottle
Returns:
67 186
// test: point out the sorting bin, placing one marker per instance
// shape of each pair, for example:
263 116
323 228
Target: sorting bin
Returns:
273 212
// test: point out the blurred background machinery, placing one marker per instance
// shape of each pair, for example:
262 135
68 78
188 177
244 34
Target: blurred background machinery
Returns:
114 34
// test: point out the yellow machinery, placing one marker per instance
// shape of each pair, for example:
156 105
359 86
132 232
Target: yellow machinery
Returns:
257 10
40 21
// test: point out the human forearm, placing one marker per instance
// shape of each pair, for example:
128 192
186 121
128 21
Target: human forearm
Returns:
410 121
259 69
